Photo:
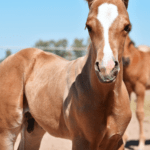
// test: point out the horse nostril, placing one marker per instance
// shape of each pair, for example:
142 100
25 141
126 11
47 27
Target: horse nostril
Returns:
97 66
116 63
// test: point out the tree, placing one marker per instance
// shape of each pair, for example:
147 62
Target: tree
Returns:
8 53
46 45
78 43
42 43
61 43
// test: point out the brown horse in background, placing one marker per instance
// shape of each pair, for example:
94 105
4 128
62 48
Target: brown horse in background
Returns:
136 75
84 100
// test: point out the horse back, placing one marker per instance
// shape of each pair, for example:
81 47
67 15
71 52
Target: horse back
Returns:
46 89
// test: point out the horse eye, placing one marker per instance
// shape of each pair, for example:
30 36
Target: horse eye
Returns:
89 28
127 28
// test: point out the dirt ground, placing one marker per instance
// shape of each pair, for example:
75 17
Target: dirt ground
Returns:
133 133
52 143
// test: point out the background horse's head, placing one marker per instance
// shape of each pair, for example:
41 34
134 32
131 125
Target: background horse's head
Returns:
127 55
108 25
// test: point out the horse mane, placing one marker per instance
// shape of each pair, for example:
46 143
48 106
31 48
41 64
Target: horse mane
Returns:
131 43
142 48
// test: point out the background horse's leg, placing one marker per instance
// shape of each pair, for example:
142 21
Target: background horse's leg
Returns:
31 134
140 92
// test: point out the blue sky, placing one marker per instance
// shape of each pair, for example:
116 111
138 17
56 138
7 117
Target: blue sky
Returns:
22 23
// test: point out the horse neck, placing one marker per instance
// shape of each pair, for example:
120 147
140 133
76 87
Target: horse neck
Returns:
136 54
103 89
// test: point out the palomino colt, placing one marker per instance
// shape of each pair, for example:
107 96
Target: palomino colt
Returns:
137 79
84 100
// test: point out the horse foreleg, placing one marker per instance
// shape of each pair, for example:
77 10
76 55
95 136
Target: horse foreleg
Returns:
140 92
80 143
31 134
129 89
120 145
125 137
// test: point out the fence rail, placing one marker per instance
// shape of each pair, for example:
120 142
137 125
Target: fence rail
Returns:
47 48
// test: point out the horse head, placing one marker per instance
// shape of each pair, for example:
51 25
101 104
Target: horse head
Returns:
108 25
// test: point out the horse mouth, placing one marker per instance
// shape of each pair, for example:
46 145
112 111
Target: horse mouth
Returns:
108 78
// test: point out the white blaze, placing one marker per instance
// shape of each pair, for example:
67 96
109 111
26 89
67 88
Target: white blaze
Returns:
107 13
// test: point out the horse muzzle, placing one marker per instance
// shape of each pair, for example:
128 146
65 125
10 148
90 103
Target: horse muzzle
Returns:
107 74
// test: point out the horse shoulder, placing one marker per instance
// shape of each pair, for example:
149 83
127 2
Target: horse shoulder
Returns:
124 97
125 104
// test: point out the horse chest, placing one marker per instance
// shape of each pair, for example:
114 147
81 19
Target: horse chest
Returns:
113 126
99 128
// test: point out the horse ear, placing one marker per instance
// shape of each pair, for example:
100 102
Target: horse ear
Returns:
89 2
125 3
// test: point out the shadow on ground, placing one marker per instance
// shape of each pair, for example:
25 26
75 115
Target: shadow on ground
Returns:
132 143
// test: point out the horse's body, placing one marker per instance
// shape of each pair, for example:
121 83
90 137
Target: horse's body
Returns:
84 100
136 76
46 85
